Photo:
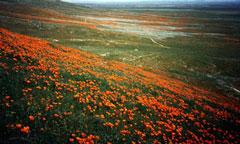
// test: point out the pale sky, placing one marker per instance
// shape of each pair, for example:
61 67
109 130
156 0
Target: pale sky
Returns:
99 1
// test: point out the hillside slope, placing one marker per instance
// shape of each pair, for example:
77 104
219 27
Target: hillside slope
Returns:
53 94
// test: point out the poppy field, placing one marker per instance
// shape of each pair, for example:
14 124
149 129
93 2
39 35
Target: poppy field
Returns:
67 82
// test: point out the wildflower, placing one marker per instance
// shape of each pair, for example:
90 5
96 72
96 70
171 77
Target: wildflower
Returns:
71 140
73 135
7 97
38 88
83 135
108 92
44 119
56 115
31 118
102 116
28 82
18 126
91 82
25 130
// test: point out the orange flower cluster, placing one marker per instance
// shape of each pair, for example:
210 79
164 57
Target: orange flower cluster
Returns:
84 139
108 124
23 129
125 132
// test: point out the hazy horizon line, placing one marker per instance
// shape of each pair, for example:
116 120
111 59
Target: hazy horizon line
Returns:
151 1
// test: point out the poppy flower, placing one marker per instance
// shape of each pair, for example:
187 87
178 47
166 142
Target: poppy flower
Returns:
18 126
25 130
31 118
71 140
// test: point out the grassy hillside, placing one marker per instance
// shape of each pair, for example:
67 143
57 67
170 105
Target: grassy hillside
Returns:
53 94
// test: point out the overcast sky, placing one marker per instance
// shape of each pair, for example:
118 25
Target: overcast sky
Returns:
99 1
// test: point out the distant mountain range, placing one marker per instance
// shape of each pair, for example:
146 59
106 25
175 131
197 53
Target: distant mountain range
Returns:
168 4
